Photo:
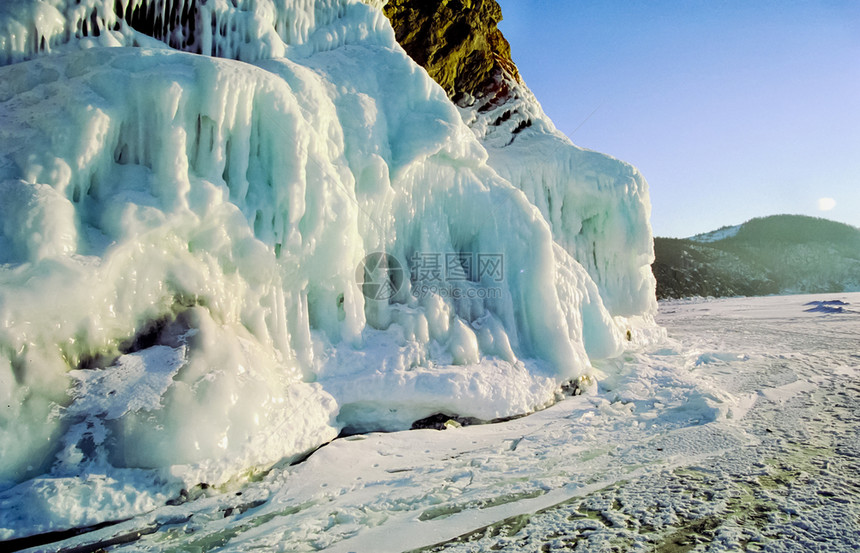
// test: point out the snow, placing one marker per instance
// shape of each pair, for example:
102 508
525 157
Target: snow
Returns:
757 445
181 236
717 235
136 381
780 394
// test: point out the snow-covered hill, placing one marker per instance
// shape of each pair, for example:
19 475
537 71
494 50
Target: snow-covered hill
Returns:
232 229
771 255
715 235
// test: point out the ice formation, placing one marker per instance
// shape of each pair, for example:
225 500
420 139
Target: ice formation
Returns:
181 232
597 206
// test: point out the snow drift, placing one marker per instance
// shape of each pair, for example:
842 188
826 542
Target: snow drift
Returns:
180 238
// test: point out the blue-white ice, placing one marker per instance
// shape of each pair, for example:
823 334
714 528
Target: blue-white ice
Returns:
180 237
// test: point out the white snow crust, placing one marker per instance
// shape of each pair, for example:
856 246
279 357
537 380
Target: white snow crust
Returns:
181 232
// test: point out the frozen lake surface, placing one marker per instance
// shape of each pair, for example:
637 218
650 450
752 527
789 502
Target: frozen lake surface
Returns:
739 432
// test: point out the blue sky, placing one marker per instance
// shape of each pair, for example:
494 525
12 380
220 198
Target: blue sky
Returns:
731 109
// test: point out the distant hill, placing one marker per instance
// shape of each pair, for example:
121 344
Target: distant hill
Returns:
769 255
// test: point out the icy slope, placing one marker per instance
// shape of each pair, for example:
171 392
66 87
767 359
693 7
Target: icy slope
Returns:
184 242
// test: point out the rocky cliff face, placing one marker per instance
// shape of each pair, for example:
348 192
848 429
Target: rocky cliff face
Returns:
458 43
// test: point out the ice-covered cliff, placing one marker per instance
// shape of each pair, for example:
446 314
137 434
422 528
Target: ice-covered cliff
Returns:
597 206
231 229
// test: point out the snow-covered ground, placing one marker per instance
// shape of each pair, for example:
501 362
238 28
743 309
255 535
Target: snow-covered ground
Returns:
738 432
